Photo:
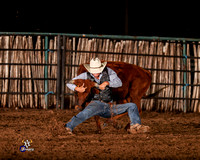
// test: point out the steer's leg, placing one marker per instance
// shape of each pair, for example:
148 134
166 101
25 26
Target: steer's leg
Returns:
98 123
118 116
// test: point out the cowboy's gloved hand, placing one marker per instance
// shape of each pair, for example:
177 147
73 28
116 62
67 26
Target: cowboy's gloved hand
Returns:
103 85
81 89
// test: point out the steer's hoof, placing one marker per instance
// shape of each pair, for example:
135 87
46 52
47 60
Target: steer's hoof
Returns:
78 108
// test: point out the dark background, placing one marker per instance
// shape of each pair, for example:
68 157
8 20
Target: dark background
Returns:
125 17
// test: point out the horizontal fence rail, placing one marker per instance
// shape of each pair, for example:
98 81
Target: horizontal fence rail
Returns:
34 67
24 65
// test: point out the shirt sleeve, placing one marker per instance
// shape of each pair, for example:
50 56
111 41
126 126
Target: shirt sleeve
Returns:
81 76
115 81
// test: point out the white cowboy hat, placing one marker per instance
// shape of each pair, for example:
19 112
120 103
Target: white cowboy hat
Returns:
95 66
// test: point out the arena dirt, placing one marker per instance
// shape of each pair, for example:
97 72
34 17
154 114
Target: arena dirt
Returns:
172 136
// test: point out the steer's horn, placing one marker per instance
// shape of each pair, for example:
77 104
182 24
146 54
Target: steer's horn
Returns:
71 82
96 85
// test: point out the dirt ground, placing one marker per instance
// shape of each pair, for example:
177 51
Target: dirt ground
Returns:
172 136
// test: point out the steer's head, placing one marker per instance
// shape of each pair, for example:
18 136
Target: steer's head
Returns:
91 89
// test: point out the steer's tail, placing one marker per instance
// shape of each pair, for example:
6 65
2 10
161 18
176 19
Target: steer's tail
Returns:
154 94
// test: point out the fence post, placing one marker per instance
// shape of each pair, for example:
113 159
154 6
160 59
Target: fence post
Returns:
185 77
58 83
63 73
46 72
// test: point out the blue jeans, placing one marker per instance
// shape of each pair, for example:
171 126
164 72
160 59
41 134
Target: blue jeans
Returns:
98 108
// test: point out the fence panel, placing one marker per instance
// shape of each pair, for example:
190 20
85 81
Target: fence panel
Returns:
163 58
22 71
35 66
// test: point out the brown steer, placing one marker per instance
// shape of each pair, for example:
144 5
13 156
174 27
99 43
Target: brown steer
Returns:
135 82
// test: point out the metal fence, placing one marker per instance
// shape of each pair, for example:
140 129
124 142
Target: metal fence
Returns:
35 66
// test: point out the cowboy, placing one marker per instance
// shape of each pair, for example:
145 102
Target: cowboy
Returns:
99 106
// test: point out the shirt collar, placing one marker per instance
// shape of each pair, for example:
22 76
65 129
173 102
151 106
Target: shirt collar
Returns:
95 78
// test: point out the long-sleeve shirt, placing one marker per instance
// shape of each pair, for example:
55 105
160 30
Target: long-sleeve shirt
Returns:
114 82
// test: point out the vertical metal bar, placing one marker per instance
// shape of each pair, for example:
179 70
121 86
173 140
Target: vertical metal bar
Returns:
137 60
58 72
185 77
63 73
46 71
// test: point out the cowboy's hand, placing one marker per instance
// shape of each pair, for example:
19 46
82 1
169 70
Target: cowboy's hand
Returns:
103 85
81 89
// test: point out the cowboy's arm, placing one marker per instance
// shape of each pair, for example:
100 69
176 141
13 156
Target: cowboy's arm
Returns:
115 81
81 76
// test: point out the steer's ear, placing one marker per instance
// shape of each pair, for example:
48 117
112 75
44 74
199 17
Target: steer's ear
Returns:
71 81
